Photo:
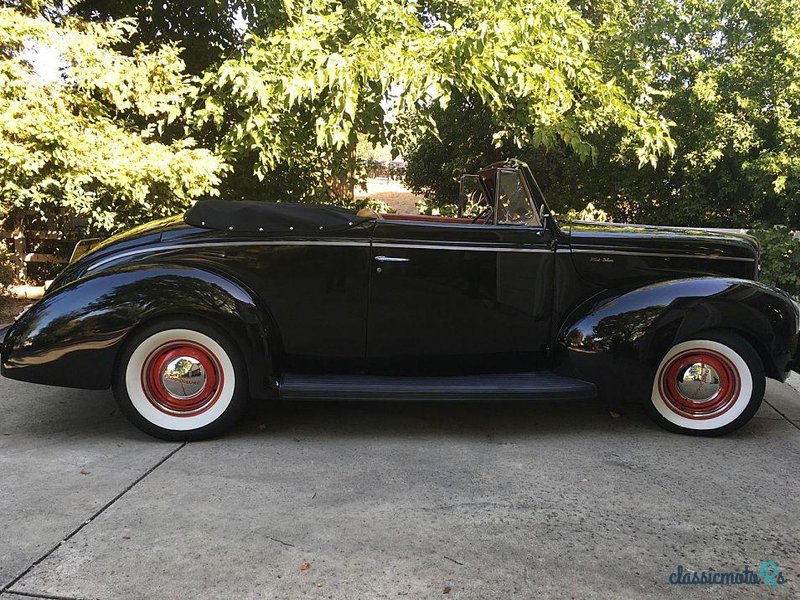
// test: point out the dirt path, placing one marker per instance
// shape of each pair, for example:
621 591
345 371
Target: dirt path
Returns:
393 193
10 307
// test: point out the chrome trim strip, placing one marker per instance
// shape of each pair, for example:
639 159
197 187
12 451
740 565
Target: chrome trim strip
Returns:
469 248
149 249
366 244
352 243
661 254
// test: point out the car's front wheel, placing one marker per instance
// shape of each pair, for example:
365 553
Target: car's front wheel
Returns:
708 386
181 380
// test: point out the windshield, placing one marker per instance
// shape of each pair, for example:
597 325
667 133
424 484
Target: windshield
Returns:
514 202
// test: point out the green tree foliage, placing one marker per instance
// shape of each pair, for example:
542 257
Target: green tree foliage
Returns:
81 125
207 30
301 94
725 72
780 258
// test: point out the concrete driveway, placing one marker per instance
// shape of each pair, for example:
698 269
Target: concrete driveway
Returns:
390 501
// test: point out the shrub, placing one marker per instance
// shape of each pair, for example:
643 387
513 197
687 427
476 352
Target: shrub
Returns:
588 213
780 258
95 138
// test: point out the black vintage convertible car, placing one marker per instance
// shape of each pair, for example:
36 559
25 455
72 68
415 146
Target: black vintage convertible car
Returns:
189 317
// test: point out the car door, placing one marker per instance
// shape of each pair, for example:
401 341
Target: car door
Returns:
456 297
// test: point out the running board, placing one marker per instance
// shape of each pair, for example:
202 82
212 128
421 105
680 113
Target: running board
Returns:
513 386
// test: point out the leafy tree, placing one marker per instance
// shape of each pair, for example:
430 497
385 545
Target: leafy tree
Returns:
207 30
724 72
81 122
300 94
463 143
728 77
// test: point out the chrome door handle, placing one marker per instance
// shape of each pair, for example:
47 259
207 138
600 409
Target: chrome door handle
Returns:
394 259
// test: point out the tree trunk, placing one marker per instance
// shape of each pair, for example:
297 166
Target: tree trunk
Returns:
342 182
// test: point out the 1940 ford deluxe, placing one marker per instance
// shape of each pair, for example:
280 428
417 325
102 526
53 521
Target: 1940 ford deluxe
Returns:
189 317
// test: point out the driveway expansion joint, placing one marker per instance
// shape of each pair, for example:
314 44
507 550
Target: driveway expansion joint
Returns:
792 423
45 596
8 587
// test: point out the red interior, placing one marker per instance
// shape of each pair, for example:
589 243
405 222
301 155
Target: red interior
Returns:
435 219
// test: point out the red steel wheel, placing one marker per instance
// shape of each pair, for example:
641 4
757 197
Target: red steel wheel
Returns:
699 384
708 386
182 378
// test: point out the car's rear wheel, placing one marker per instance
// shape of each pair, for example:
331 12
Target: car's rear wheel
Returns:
708 386
181 380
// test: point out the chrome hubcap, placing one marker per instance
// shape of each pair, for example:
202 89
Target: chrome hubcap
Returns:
183 377
698 382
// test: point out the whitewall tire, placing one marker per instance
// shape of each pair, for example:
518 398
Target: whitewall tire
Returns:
180 380
708 386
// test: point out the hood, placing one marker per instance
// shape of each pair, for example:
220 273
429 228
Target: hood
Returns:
609 254
649 238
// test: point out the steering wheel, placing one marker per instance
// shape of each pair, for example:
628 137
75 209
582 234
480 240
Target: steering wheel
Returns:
484 214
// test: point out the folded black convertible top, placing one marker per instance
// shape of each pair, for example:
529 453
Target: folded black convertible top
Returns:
270 217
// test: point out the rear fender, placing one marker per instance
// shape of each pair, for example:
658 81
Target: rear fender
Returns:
71 337
617 340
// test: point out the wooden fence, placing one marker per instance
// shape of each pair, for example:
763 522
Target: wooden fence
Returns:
22 258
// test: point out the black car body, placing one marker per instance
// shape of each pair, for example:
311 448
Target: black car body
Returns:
509 304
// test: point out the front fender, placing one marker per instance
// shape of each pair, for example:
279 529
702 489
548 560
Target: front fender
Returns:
71 337
618 339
